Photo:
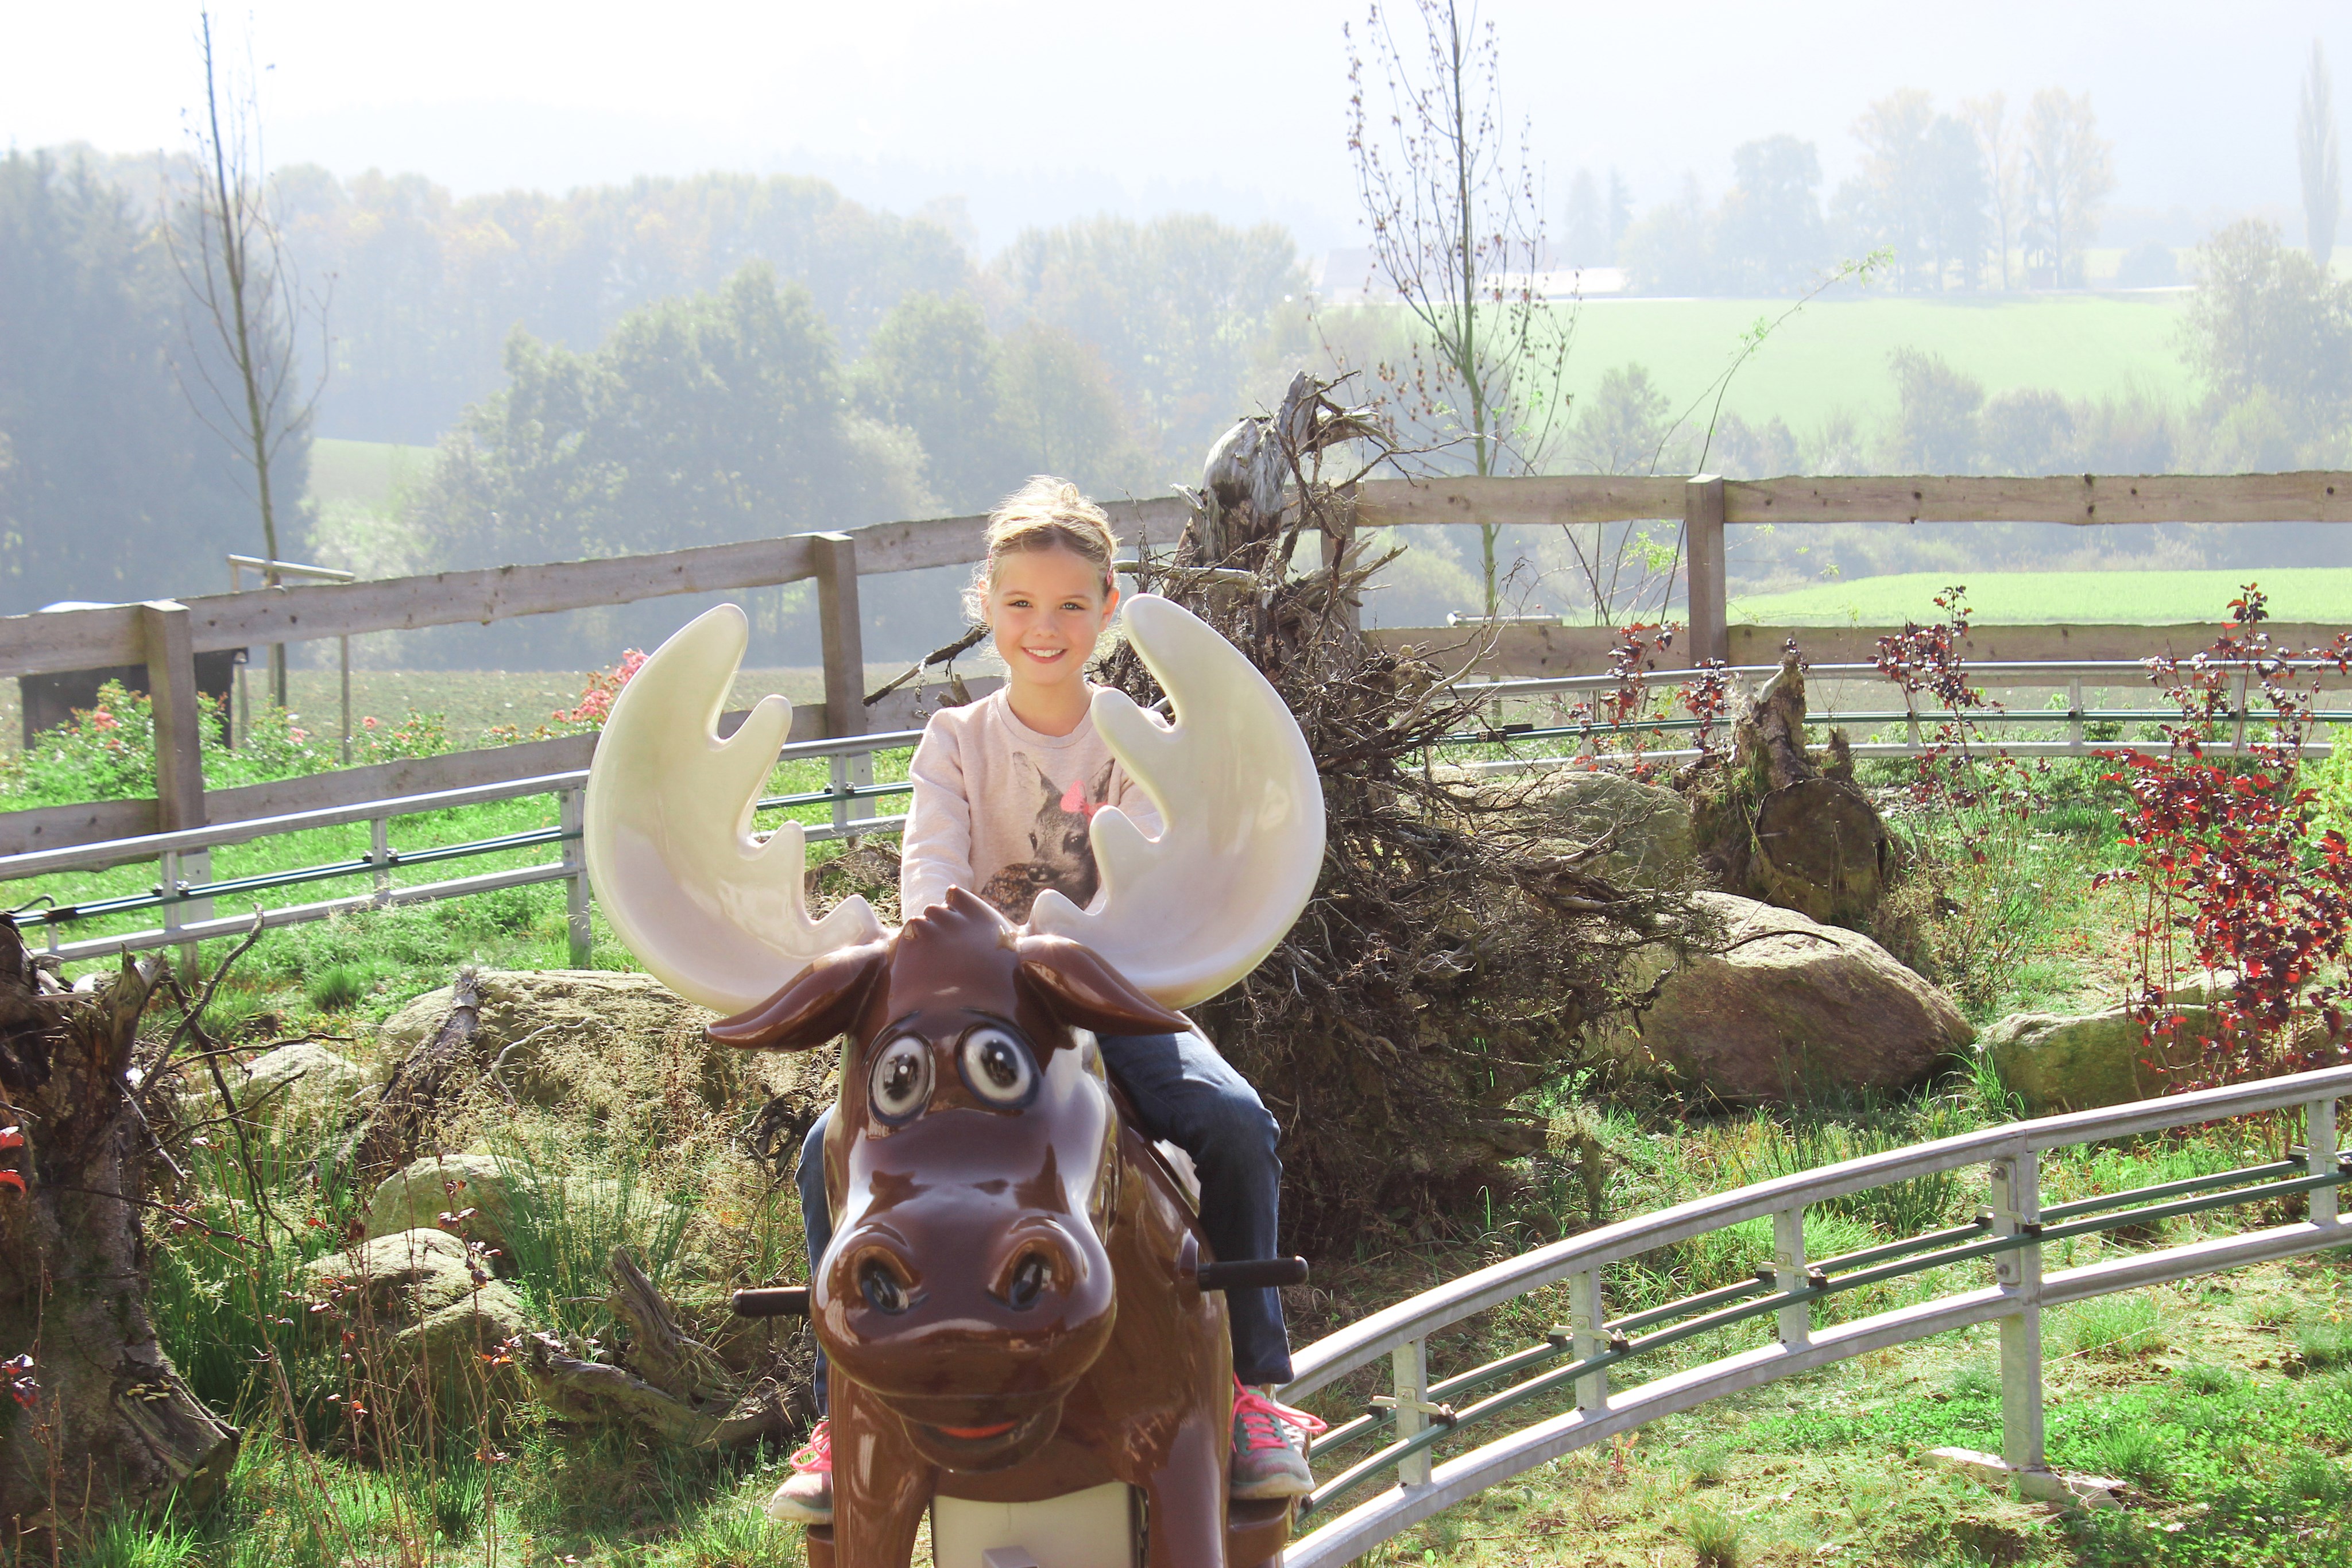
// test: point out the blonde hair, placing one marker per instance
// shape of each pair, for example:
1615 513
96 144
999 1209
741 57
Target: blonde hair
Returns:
1046 513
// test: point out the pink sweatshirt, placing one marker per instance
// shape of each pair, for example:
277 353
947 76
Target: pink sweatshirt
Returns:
1003 810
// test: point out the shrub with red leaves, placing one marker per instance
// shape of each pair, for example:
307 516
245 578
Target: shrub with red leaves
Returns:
2228 858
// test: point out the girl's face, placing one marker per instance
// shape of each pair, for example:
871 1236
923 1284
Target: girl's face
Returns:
1046 608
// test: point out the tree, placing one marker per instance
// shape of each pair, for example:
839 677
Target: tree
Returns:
1621 211
1061 411
1920 192
1670 248
2317 159
933 367
1768 231
1622 426
1457 230
1175 309
1588 233
1936 423
113 489
704 419
1988 119
2068 171
2264 320
246 311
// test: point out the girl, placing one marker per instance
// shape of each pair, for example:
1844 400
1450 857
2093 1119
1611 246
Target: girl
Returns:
1004 790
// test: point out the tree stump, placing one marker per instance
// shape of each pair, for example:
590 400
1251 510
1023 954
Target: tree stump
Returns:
100 1419
1814 843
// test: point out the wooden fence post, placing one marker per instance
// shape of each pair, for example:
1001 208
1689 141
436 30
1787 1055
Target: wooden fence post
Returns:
1702 538
842 628
163 629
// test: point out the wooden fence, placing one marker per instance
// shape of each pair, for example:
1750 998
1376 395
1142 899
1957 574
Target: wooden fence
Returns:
166 636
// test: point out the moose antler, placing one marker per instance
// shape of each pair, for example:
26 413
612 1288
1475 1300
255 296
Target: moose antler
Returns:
718 915
721 918
1192 911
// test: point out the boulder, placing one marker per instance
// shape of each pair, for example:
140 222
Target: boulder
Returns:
621 1050
301 1082
420 1286
1785 1008
1648 826
412 1200
2055 1061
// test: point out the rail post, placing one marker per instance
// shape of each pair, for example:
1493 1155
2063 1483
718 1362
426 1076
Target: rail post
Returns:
2074 730
380 855
178 709
842 628
1703 534
2017 1210
2319 1158
1588 1337
572 816
1788 1273
1409 1377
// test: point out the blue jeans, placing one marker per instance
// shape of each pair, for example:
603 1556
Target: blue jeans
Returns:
1184 1094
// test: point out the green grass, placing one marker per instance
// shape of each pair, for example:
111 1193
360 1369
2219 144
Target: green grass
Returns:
2318 594
366 474
1833 355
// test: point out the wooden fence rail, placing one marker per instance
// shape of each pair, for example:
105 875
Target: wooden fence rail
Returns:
165 635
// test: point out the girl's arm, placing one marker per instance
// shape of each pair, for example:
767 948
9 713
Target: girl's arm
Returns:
935 853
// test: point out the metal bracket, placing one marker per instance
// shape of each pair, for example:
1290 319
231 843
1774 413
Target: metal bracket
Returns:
1444 1414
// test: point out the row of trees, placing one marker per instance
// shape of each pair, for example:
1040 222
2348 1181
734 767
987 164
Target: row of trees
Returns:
1973 198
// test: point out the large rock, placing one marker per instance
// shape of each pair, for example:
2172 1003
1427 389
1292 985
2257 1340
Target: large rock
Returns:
620 1050
1648 827
301 1082
1789 1009
420 1285
416 1198
2055 1062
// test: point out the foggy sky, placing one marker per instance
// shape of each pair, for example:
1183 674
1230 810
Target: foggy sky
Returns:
1038 113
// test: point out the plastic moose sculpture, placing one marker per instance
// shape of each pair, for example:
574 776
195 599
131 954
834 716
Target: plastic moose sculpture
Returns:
1022 1318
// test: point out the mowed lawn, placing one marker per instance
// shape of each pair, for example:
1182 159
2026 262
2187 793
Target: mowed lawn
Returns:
2310 595
1833 354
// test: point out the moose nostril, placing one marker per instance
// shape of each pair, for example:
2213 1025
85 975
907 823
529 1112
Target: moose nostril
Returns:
880 1287
1029 1278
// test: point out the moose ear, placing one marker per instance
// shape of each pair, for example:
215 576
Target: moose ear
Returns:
820 1002
1078 986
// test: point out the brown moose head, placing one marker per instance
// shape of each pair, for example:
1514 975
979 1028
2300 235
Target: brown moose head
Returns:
968 1286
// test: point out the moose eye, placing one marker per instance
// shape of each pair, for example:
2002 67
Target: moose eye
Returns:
996 1068
900 1083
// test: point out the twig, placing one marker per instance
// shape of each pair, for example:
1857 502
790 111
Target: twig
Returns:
188 1016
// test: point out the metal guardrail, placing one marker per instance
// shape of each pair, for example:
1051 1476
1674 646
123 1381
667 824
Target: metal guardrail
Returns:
186 904
2010 1232
176 897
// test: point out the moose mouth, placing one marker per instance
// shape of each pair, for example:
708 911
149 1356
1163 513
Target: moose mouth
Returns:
994 1446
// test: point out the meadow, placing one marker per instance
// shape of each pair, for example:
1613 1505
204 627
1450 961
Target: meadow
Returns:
2321 595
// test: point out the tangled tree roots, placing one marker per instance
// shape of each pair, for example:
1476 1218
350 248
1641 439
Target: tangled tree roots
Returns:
1446 965
98 1417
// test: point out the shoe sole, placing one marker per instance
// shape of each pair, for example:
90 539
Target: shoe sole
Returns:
1271 1490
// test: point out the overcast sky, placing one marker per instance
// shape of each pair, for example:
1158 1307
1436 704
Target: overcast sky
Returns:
1038 113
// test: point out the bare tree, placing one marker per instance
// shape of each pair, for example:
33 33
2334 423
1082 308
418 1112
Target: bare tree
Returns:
1996 139
244 308
2314 153
1457 225
2068 170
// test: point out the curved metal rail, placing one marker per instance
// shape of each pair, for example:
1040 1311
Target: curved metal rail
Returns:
2009 1233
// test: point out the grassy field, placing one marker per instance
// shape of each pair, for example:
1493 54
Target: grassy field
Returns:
366 474
1833 355
2322 595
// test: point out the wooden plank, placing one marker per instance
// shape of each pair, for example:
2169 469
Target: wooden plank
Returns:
1518 652
841 632
1707 570
70 639
960 541
1528 653
1549 498
164 630
62 827
2087 499
1991 644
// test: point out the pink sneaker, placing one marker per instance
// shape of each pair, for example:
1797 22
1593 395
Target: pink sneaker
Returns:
1269 1455
807 1496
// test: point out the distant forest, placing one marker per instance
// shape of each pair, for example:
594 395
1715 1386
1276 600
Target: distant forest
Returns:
674 362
